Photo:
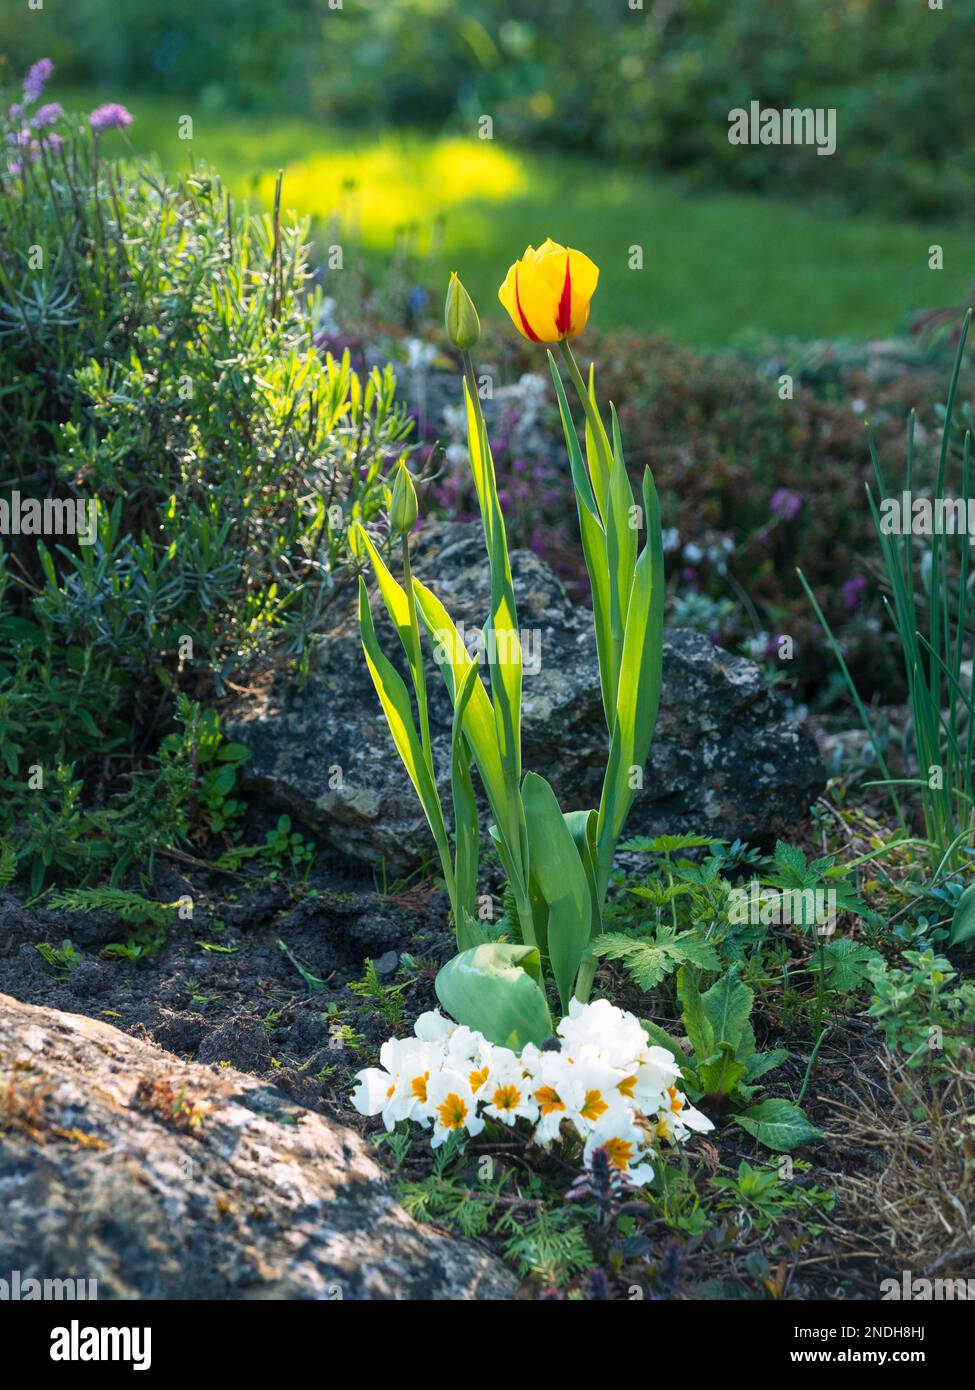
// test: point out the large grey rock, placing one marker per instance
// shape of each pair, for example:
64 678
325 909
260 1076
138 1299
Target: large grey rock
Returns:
724 762
165 1179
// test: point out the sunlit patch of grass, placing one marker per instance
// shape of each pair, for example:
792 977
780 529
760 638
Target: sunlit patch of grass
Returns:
396 181
717 267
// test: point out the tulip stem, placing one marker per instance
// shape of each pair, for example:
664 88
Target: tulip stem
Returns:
592 415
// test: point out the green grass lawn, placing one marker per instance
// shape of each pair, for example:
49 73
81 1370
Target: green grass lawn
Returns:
717 267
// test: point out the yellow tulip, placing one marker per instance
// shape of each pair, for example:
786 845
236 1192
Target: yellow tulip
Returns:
547 292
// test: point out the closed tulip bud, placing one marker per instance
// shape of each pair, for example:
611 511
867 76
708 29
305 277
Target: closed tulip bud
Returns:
460 316
403 506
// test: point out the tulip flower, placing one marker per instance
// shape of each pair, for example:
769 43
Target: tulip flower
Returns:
547 292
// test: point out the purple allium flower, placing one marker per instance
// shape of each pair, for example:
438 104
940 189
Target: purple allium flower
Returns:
36 77
853 591
785 503
46 115
111 116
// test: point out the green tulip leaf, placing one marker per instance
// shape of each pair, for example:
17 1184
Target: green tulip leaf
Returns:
496 989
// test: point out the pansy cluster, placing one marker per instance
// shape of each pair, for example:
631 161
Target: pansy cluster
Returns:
604 1080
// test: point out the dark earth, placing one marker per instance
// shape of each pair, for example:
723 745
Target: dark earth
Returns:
247 1004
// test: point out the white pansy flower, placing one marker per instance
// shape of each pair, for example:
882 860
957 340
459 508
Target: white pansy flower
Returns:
676 1119
591 1091
452 1107
600 1027
432 1026
507 1095
625 1147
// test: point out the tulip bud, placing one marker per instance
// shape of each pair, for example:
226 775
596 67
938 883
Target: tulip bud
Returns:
460 316
403 506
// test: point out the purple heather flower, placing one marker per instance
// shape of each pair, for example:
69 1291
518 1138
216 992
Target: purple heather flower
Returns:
36 77
853 591
46 115
785 503
111 116
16 111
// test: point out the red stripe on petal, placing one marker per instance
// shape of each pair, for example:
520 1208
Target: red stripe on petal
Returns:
563 319
524 322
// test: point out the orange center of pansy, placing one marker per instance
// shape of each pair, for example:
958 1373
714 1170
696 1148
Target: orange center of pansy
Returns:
619 1152
418 1086
676 1103
478 1078
549 1100
507 1097
453 1112
594 1106
627 1087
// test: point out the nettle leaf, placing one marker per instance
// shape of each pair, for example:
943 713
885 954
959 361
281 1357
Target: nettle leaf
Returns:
667 844
660 893
647 962
847 963
778 1124
791 861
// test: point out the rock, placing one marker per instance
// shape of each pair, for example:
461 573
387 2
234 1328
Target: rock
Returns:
725 761
165 1179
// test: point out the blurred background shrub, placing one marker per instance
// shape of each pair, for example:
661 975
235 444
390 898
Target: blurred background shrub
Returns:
652 84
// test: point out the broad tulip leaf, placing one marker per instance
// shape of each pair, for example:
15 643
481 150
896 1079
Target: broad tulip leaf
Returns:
621 539
395 700
963 918
558 873
478 716
778 1124
496 990
466 830
594 550
504 642
582 828
638 695
598 453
